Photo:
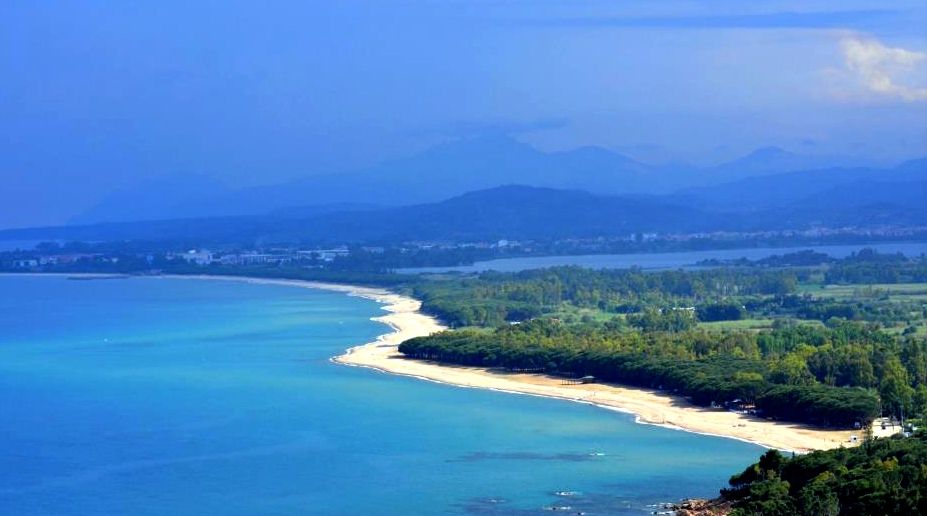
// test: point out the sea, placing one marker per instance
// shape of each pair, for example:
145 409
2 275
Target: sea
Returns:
165 396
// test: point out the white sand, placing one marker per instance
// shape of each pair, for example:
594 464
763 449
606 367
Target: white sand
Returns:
650 407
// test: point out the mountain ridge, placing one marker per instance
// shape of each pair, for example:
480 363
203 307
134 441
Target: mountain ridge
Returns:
508 212
441 172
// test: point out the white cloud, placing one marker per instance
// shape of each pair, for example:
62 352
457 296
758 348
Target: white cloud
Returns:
879 69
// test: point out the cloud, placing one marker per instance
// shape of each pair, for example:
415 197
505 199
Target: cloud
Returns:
879 68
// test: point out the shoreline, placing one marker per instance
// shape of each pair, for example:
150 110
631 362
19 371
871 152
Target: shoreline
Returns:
647 406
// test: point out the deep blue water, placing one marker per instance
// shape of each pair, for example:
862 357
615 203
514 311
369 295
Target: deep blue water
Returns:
673 260
169 396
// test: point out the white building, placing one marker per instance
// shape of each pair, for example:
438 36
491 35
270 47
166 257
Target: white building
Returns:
326 255
199 257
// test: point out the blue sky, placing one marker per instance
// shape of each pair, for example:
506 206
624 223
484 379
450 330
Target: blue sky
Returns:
101 95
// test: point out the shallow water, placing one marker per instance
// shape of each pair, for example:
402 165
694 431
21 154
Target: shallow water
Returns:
171 396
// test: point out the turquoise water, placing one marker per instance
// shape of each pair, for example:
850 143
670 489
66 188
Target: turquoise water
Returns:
169 396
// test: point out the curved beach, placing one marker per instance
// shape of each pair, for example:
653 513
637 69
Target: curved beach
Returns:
177 382
648 406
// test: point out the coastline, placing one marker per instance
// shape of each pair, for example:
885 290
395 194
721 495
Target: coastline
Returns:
647 406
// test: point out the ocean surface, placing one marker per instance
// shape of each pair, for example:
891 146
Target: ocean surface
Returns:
679 259
171 396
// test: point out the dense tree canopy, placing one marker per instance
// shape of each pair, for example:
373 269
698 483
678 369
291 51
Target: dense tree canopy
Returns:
706 366
884 476
847 370
494 298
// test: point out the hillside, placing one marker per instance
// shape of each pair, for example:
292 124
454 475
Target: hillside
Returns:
885 476
435 174
504 212
516 212
785 190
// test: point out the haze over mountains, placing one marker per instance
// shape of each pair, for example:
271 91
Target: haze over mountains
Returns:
513 212
491 188
763 192
439 173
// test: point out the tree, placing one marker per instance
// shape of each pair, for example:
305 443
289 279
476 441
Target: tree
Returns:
791 370
919 401
768 497
819 498
894 389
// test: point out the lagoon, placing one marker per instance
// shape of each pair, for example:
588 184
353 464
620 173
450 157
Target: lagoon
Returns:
665 260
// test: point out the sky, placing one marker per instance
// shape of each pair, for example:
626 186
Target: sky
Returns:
96 96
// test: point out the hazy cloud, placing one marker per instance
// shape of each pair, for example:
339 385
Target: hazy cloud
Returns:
880 69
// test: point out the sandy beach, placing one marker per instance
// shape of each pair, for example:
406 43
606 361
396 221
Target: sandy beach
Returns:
649 407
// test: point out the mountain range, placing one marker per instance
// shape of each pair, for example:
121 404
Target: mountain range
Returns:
515 212
438 173
806 186
453 192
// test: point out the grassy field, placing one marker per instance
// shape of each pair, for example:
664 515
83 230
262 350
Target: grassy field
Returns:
912 296
893 291
743 324
569 313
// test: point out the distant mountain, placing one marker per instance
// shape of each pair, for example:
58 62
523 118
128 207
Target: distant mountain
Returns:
175 195
766 161
912 170
437 173
517 212
784 190
521 212
305 212
907 194
872 202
